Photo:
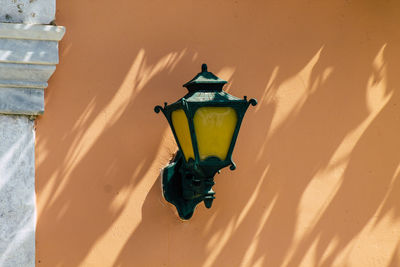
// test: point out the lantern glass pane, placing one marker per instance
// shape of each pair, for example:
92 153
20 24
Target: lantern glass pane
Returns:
181 126
214 127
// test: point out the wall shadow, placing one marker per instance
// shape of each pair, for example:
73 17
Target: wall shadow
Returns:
317 178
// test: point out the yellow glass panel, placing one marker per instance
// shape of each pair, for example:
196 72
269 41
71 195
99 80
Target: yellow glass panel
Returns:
181 126
214 127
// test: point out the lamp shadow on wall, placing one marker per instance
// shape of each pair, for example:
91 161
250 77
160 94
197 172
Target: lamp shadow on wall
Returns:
327 87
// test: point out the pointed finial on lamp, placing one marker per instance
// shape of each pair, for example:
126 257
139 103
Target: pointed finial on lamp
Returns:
204 67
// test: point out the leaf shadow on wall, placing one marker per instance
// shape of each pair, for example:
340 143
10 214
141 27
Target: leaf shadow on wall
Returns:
96 162
98 192
304 145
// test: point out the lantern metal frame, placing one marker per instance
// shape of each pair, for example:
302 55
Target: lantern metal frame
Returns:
188 182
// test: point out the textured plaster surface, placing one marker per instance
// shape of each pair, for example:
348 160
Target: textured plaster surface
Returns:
317 182
27 11
17 192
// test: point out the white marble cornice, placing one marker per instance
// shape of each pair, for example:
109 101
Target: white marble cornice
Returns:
28 57
31 31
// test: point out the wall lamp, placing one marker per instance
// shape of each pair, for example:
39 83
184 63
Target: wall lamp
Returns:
205 123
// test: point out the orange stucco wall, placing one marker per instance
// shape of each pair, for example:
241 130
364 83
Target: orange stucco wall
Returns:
317 182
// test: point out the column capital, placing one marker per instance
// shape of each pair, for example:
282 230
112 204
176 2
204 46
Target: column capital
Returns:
28 57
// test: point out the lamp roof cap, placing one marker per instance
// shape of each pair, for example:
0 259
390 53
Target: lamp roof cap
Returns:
204 80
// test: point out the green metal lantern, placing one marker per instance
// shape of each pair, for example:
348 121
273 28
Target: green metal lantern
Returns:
205 124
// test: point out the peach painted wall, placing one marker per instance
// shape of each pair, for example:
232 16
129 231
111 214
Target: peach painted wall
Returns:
317 182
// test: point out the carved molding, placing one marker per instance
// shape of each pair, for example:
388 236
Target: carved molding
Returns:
28 57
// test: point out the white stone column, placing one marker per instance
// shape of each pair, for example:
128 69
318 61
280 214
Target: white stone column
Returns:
27 11
17 191
28 57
